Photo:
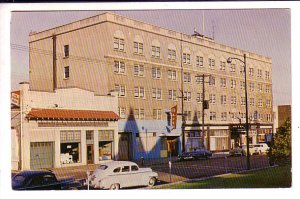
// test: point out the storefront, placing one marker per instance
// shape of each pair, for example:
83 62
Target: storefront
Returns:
58 132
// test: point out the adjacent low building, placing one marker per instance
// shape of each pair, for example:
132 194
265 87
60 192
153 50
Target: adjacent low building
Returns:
66 127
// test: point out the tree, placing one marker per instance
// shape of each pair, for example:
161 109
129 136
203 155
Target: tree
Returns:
280 151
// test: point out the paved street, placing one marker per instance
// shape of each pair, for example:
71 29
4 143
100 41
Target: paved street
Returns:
181 170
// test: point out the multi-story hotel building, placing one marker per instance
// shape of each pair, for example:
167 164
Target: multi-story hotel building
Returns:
151 67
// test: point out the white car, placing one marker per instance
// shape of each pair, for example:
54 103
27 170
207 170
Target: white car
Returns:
120 174
260 148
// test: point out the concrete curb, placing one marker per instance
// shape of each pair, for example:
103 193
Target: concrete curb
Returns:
206 178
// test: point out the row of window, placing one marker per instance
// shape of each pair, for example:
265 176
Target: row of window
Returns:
224 116
139 92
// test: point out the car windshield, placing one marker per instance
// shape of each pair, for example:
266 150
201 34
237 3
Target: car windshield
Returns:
103 167
18 180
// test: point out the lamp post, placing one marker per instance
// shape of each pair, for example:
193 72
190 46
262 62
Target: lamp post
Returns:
229 60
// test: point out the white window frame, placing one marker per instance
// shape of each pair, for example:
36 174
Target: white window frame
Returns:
171 54
199 61
186 58
223 82
222 65
223 99
172 95
119 67
156 72
187 78
121 89
187 96
139 70
212 98
233 100
138 48
119 44
155 51
199 97
211 63
233 83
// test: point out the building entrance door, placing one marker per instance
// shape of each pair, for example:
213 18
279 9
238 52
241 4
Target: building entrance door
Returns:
90 153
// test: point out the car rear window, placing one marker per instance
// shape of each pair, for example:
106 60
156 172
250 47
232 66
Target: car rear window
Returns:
103 167
134 168
18 180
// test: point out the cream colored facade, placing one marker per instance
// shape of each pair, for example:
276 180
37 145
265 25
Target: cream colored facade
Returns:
48 130
96 43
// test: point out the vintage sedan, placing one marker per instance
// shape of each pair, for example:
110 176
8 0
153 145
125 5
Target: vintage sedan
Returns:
238 151
195 155
120 174
42 180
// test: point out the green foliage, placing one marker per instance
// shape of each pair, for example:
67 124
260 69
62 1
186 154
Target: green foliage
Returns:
280 151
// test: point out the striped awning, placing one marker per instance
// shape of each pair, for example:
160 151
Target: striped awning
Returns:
71 115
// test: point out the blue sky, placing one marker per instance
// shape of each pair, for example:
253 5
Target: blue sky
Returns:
262 31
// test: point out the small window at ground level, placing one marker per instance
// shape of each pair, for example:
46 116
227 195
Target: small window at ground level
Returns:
117 170
66 72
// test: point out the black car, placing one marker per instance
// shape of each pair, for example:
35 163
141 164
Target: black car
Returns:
195 155
42 180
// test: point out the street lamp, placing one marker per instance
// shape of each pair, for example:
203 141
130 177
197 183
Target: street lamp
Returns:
229 60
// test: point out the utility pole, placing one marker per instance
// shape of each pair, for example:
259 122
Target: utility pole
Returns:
182 99
203 108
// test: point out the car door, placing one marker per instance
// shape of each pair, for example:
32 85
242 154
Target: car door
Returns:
138 179
125 177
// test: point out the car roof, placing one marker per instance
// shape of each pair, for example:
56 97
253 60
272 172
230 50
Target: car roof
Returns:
37 172
118 163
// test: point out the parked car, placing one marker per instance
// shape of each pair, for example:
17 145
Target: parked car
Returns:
42 180
238 151
195 155
261 148
256 149
120 174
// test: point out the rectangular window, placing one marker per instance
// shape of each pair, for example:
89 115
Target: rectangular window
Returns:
187 96
267 75
172 95
268 89
139 70
212 98
119 44
66 72
119 67
171 54
252 102
212 81
139 92
223 82
199 79
242 71
156 72
66 50
122 112
233 83
233 100
138 48
187 77
199 61
120 89
223 99
186 58
243 101
155 51
259 73
211 63
260 103
142 114
172 74
232 67
224 116
213 116
156 93
251 86
157 114
199 97
268 103
260 87
242 85
222 66
251 72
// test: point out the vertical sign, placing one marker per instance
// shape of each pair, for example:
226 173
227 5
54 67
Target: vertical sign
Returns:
15 98
174 116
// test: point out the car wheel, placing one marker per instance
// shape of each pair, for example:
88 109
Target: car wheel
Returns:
152 182
115 186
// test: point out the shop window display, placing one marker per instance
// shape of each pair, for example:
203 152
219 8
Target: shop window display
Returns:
70 147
